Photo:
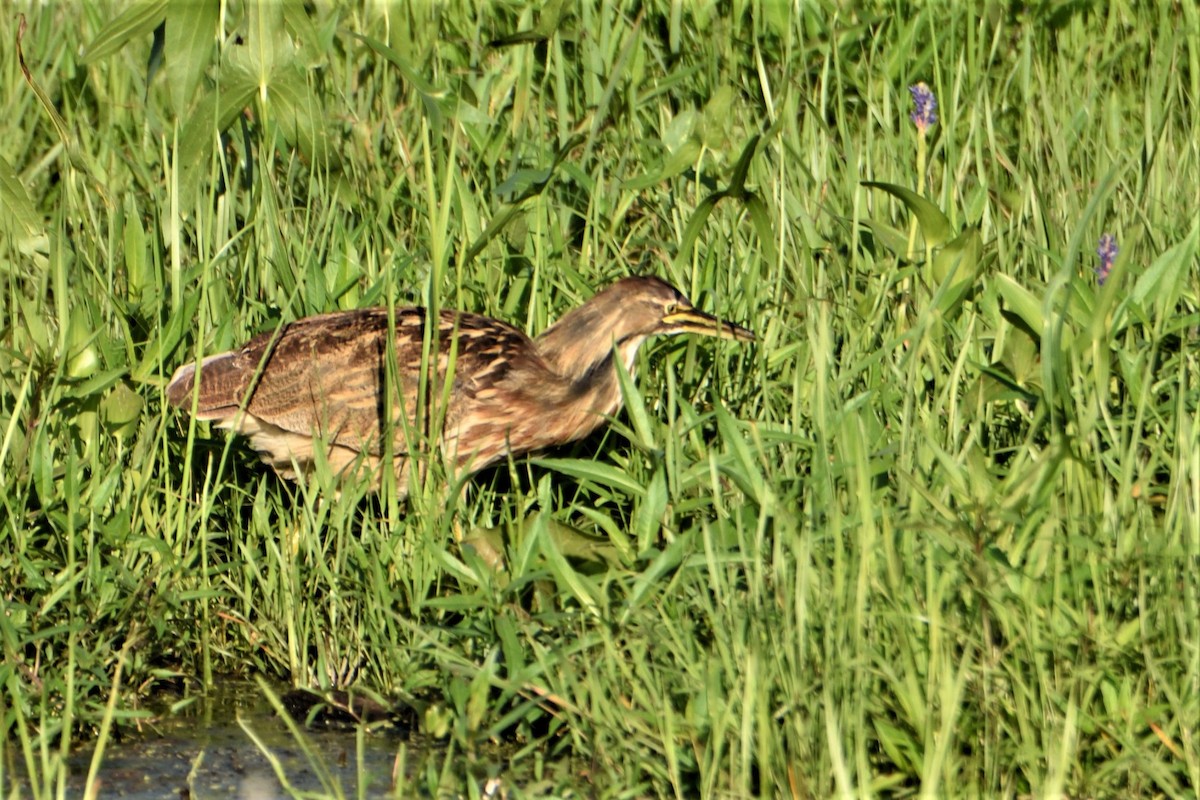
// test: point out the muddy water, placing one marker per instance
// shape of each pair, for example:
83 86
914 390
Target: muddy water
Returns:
203 752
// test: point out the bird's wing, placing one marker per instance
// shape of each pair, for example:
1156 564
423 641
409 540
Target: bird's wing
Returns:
326 375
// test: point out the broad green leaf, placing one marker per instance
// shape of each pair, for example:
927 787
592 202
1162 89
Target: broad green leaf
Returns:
579 586
676 163
585 469
95 384
1021 302
1021 356
191 32
760 218
575 543
266 43
499 220
488 545
210 117
82 358
521 181
550 17
935 227
959 255
997 386
525 183
1163 277
890 237
299 110
41 466
121 408
17 211
956 269
615 532
679 130
139 19
716 118
34 325
312 45
138 276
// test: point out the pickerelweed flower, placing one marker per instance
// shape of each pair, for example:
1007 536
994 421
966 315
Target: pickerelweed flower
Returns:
1108 254
924 116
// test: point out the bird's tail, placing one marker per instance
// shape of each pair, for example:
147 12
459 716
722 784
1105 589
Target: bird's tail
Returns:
213 399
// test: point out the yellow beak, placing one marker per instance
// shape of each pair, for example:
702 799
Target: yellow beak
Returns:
691 320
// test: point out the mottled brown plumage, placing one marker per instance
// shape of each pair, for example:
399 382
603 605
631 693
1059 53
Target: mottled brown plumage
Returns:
321 382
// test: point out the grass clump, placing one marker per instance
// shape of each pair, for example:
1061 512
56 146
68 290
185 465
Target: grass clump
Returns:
936 532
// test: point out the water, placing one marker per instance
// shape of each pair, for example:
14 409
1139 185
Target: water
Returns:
203 752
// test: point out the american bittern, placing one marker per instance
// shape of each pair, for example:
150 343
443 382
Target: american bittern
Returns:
322 381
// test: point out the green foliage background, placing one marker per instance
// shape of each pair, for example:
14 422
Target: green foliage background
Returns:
937 532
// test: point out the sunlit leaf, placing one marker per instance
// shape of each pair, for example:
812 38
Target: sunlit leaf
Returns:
935 226
190 35
17 213
956 269
138 19
1162 278
1023 303
595 471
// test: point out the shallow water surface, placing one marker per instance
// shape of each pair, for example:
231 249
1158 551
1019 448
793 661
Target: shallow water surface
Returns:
203 752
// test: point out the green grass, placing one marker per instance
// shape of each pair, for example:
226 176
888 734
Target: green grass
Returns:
937 532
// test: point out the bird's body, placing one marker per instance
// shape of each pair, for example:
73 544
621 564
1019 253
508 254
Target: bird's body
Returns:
322 382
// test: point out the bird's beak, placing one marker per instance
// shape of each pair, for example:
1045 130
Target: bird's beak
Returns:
691 320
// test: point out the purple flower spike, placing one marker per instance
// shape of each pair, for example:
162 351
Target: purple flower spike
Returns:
1108 254
924 116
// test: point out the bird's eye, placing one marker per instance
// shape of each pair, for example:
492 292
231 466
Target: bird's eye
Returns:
671 308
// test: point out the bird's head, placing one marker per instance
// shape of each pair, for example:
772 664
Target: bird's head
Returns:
624 315
660 309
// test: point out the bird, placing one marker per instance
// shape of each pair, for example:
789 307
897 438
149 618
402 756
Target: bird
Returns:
334 382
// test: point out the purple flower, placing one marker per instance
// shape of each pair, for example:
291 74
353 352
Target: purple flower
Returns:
1108 254
924 116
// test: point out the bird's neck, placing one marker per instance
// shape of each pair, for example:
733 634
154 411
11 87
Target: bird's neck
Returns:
584 357
599 388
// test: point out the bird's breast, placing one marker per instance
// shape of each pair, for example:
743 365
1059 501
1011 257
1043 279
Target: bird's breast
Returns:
501 420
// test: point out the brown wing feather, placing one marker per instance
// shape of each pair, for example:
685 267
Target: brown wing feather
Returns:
325 375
